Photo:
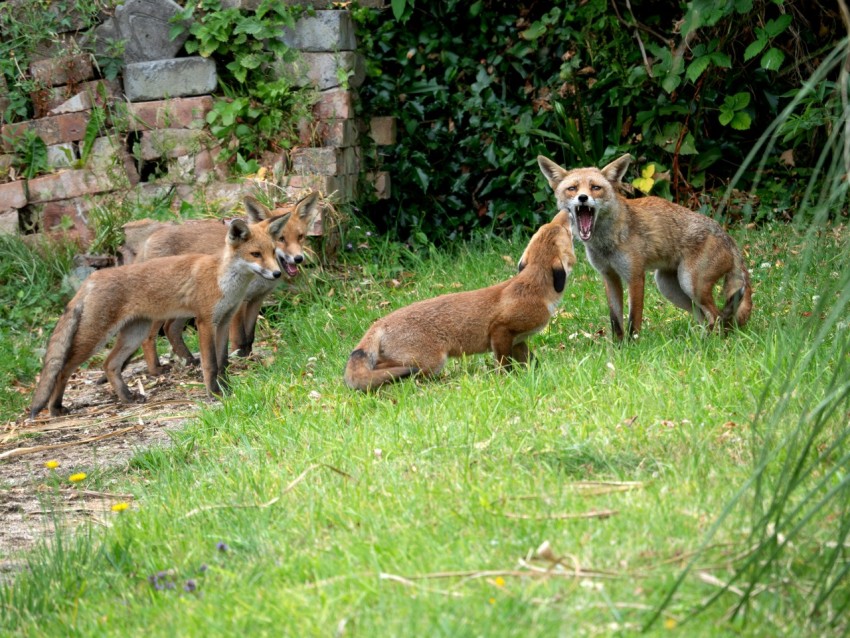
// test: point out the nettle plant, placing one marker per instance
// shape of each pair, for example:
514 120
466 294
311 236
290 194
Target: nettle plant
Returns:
261 107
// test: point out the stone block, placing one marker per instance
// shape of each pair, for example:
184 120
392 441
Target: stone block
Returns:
327 70
106 154
73 183
10 223
62 155
383 130
56 129
176 142
71 69
323 31
145 26
382 183
66 216
334 104
339 133
177 77
178 113
326 161
343 188
6 161
12 195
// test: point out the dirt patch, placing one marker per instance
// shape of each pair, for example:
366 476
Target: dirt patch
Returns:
99 433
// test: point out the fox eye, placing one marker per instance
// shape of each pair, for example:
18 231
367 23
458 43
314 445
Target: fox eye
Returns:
572 189
595 187
256 254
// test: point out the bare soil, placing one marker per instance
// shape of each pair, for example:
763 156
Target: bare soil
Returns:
100 433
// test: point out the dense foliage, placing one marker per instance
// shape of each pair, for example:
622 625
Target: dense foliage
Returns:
482 88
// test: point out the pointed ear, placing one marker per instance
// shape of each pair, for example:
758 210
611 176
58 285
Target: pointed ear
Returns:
562 218
307 208
257 212
616 170
559 275
238 232
276 225
553 173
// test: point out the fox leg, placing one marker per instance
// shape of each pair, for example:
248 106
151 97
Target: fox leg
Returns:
244 325
149 349
614 293
520 352
668 285
502 345
129 338
209 358
701 291
637 286
174 333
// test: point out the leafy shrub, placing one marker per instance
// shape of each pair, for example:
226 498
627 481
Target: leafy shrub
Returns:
481 88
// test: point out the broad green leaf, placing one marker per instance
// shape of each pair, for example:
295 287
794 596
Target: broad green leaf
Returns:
697 68
671 83
775 27
251 61
772 60
534 31
756 47
721 59
725 117
736 102
741 121
422 178
398 8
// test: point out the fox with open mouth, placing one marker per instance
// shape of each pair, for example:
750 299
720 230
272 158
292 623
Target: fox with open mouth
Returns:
625 238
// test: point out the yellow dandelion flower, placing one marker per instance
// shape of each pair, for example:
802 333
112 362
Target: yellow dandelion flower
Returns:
499 581
76 478
120 507
670 623
51 465
492 601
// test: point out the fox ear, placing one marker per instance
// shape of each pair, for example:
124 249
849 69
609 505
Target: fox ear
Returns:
553 173
307 207
277 224
616 170
238 232
257 212
559 276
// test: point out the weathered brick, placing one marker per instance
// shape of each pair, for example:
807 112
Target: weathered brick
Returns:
382 183
68 216
56 129
177 113
343 188
66 70
72 98
62 155
174 142
75 183
334 132
326 161
334 104
12 195
326 69
10 223
322 31
382 130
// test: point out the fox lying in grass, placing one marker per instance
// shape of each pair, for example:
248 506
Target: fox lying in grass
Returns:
208 236
624 238
127 299
419 338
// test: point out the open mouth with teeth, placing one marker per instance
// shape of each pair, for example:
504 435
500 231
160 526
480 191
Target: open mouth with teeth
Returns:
289 269
585 216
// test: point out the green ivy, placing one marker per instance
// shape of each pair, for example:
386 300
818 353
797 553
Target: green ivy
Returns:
480 89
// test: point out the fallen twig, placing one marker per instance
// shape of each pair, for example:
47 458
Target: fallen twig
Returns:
55 446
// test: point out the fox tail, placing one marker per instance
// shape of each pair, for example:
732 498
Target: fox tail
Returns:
363 370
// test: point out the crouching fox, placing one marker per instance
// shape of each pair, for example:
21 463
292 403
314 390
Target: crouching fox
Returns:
419 338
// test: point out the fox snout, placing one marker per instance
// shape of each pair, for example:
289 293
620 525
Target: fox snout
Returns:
288 262
583 212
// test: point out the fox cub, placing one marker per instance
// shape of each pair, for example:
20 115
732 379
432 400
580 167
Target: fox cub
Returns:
208 237
624 238
418 338
127 299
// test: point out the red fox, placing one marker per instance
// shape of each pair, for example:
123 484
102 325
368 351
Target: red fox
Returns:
127 299
207 236
418 339
624 238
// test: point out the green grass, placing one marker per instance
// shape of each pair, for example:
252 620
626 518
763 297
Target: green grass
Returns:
417 510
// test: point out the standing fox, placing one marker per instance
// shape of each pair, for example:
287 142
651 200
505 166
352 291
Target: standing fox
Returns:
624 238
127 299
208 236
418 339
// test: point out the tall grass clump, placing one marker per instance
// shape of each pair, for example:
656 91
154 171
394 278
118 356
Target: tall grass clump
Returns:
798 493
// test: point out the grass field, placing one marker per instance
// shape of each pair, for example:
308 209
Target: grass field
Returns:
565 499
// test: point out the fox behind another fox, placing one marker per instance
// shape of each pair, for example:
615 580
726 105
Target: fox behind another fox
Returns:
624 238
208 236
127 299
418 339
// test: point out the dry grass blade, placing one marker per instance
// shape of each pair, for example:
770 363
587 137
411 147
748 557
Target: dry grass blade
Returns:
560 516
409 583
43 448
